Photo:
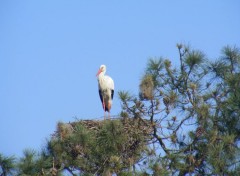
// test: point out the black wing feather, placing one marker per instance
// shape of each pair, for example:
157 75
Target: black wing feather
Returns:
112 93
100 95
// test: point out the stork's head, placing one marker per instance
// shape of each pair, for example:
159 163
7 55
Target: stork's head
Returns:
102 69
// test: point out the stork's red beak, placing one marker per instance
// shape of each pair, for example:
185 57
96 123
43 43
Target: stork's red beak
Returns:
99 71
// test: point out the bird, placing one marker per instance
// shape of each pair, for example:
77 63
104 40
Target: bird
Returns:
105 89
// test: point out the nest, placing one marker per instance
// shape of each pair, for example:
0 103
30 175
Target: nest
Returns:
118 143
131 125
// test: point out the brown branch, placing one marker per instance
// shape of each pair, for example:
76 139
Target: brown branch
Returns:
159 139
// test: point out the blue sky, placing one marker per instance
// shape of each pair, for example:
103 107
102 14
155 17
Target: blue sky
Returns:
50 52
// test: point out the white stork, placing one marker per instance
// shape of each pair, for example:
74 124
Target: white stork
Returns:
106 89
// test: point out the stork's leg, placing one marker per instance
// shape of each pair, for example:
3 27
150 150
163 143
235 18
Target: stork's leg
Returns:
104 107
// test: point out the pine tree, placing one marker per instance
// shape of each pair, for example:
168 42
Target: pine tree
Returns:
194 110
7 166
33 163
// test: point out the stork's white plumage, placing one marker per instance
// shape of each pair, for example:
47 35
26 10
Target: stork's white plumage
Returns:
106 89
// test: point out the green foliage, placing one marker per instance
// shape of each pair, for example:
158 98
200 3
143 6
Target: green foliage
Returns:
194 59
7 165
110 137
33 163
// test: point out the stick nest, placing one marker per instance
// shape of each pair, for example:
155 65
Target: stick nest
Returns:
131 126
95 145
